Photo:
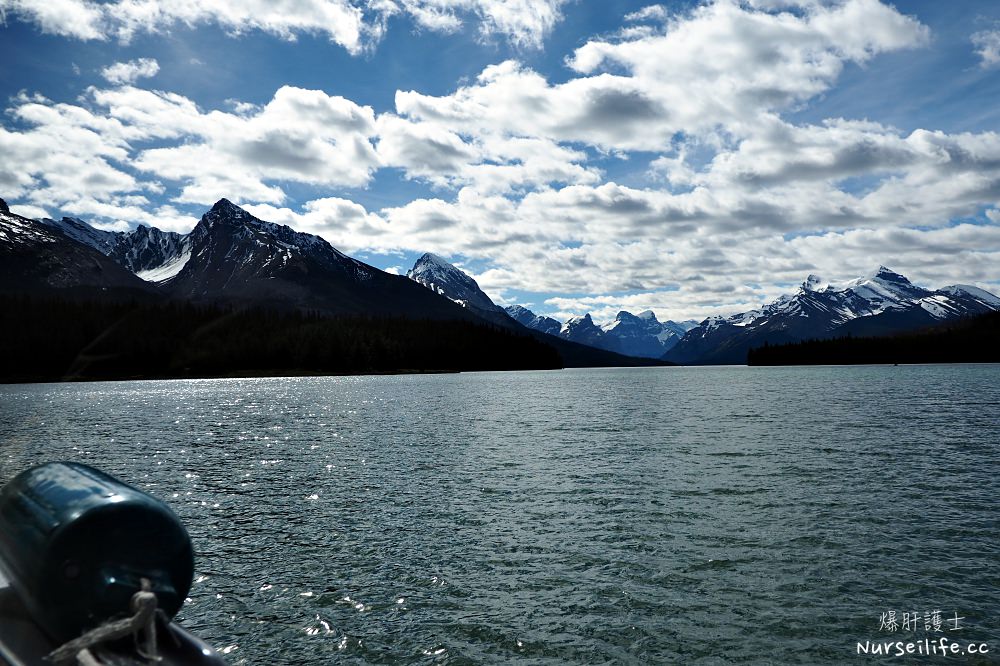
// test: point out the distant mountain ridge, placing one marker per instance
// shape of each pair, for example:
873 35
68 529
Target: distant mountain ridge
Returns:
440 276
241 259
229 258
967 340
526 317
882 303
641 335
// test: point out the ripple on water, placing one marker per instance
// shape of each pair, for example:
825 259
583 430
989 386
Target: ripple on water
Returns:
682 515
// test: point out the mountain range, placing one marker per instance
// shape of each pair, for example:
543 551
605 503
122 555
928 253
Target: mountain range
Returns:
640 335
882 303
234 259
451 282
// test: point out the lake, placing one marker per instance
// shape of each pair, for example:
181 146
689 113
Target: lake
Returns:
663 515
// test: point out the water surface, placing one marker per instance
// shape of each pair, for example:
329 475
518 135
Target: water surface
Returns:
663 515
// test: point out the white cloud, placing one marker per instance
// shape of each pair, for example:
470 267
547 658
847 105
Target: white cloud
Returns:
742 203
344 223
79 156
723 64
65 152
717 69
301 135
123 212
30 212
492 163
523 22
987 45
648 13
131 71
610 112
68 18
426 150
340 20
353 24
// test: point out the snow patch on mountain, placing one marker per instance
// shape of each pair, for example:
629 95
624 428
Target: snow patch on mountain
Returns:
166 271
16 230
442 277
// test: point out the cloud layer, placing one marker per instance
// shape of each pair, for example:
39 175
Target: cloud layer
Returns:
733 203
352 24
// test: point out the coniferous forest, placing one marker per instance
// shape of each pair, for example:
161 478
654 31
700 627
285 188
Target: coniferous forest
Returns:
970 340
46 339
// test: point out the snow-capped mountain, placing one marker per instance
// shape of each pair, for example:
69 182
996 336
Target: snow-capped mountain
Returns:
629 335
643 334
35 257
151 254
575 347
679 328
882 303
585 331
639 335
236 257
445 279
526 317
229 257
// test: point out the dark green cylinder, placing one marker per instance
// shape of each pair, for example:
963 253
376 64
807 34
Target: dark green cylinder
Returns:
76 542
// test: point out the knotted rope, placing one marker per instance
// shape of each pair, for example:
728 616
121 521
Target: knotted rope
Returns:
143 620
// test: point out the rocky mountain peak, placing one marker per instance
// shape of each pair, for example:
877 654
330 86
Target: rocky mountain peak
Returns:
227 212
225 206
441 277
889 275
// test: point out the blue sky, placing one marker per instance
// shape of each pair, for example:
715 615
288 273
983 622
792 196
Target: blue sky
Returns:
693 158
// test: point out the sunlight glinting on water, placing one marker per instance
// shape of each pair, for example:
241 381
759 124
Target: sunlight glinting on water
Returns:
576 516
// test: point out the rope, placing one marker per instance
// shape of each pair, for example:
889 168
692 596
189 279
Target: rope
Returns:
143 620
